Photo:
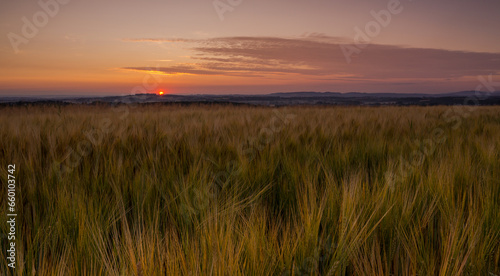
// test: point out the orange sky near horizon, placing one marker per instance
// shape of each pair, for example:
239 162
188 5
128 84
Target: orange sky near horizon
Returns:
71 47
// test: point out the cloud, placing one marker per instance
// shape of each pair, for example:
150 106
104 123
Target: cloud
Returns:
159 40
317 55
192 70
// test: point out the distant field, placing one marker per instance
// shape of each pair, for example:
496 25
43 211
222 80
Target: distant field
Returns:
223 190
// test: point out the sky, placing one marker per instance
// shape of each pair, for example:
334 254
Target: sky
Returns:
121 47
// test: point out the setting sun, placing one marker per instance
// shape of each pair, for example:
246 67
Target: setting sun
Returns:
161 93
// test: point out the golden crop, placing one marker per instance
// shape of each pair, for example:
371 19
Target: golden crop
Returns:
224 190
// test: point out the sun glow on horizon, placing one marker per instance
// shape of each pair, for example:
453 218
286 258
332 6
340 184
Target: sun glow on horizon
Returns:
161 93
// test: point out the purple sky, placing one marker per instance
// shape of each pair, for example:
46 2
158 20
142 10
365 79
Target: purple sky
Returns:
74 47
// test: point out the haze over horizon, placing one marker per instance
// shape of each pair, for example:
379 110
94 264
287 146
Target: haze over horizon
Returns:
71 47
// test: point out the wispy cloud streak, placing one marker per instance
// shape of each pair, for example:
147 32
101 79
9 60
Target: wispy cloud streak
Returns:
318 55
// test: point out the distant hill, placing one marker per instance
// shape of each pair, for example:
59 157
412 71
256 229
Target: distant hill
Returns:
278 99
380 95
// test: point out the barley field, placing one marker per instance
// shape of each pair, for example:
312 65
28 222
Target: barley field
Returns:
240 190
